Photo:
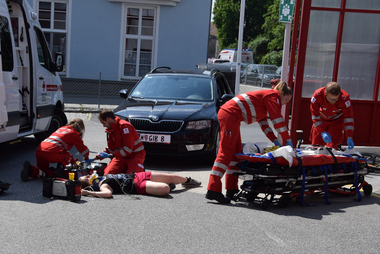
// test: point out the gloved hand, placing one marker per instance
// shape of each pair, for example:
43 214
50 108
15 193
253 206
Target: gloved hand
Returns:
277 143
350 143
326 137
88 161
289 143
103 155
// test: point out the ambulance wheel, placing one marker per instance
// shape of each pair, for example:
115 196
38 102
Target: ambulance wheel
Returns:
284 200
58 120
367 189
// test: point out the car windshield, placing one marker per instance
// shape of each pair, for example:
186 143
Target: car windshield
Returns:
268 69
174 87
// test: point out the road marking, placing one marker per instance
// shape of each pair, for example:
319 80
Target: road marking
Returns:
89 116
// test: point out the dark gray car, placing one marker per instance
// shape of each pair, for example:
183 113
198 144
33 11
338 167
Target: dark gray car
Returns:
259 75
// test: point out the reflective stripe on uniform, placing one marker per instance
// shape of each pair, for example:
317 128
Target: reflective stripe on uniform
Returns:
348 120
216 173
349 128
244 112
220 165
278 120
251 107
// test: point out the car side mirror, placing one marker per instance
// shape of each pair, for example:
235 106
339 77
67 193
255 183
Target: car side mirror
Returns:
226 97
58 62
123 93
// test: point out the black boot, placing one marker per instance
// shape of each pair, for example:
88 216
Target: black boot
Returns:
26 171
60 170
218 196
231 193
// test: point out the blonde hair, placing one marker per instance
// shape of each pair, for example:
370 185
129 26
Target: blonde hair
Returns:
78 125
283 88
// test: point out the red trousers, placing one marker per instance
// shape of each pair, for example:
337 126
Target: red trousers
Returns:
230 144
335 129
126 165
44 159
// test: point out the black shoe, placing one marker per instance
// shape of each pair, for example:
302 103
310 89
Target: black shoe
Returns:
26 171
231 193
172 186
60 170
218 196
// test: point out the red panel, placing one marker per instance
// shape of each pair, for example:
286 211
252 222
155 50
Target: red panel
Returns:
376 136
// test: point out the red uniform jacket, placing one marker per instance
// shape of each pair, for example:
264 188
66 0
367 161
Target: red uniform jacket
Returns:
123 140
62 140
254 106
322 111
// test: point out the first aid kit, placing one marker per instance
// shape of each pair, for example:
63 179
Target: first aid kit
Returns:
61 188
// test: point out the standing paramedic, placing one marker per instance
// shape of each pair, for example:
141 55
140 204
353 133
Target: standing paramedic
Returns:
331 113
55 149
249 107
126 150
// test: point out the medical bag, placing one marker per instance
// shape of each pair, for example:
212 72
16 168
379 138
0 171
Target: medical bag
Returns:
61 188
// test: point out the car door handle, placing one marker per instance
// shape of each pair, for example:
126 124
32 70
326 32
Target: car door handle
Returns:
41 78
15 78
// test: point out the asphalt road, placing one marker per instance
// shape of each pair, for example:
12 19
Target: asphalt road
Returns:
183 222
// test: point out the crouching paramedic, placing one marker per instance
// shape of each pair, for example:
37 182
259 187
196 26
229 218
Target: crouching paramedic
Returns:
55 149
249 107
331 113
126 150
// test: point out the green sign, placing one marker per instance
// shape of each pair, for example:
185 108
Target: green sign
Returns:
286 10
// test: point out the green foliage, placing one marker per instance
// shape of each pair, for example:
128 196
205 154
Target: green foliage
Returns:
227 16
259 47
274 57
273 29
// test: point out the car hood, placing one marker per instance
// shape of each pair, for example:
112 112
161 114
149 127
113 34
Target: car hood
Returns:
169 110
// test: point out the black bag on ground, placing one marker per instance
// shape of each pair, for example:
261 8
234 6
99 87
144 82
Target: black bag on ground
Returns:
62 188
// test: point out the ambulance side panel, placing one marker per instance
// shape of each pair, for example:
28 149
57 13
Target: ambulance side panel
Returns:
33 89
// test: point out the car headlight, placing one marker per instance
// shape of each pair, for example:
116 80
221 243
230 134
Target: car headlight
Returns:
123 118
198 125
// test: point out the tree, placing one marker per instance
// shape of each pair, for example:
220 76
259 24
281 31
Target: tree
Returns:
227 15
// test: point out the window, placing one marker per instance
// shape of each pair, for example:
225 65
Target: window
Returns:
53 19
139 41
6 45
42 50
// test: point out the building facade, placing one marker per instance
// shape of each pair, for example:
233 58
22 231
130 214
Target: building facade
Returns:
124 39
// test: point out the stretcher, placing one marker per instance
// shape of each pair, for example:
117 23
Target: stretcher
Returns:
277 180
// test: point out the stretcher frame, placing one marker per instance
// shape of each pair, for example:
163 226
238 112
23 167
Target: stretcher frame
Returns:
276 184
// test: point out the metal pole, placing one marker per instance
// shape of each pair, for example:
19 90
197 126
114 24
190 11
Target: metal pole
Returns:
240 46
100 82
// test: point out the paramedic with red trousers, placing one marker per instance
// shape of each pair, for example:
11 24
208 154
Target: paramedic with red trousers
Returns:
331 113
55 149
249 107
126 150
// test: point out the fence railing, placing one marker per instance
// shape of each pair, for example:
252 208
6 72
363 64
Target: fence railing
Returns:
81 94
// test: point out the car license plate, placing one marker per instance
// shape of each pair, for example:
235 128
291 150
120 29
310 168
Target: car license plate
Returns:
155 138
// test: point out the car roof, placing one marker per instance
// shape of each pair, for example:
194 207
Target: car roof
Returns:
193 72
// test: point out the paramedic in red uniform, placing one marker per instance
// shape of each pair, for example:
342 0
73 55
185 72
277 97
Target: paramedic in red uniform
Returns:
331 113
126 150
55 149
249 107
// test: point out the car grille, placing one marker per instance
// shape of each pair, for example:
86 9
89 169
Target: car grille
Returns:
163 126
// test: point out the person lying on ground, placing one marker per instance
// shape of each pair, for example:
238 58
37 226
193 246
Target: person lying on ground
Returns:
145 183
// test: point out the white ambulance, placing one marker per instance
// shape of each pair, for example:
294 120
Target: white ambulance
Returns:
231 55
31 98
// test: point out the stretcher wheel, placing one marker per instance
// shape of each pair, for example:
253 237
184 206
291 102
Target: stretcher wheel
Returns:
367 189
284 200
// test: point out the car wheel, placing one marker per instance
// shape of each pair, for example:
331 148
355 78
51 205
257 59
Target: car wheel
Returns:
58 120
